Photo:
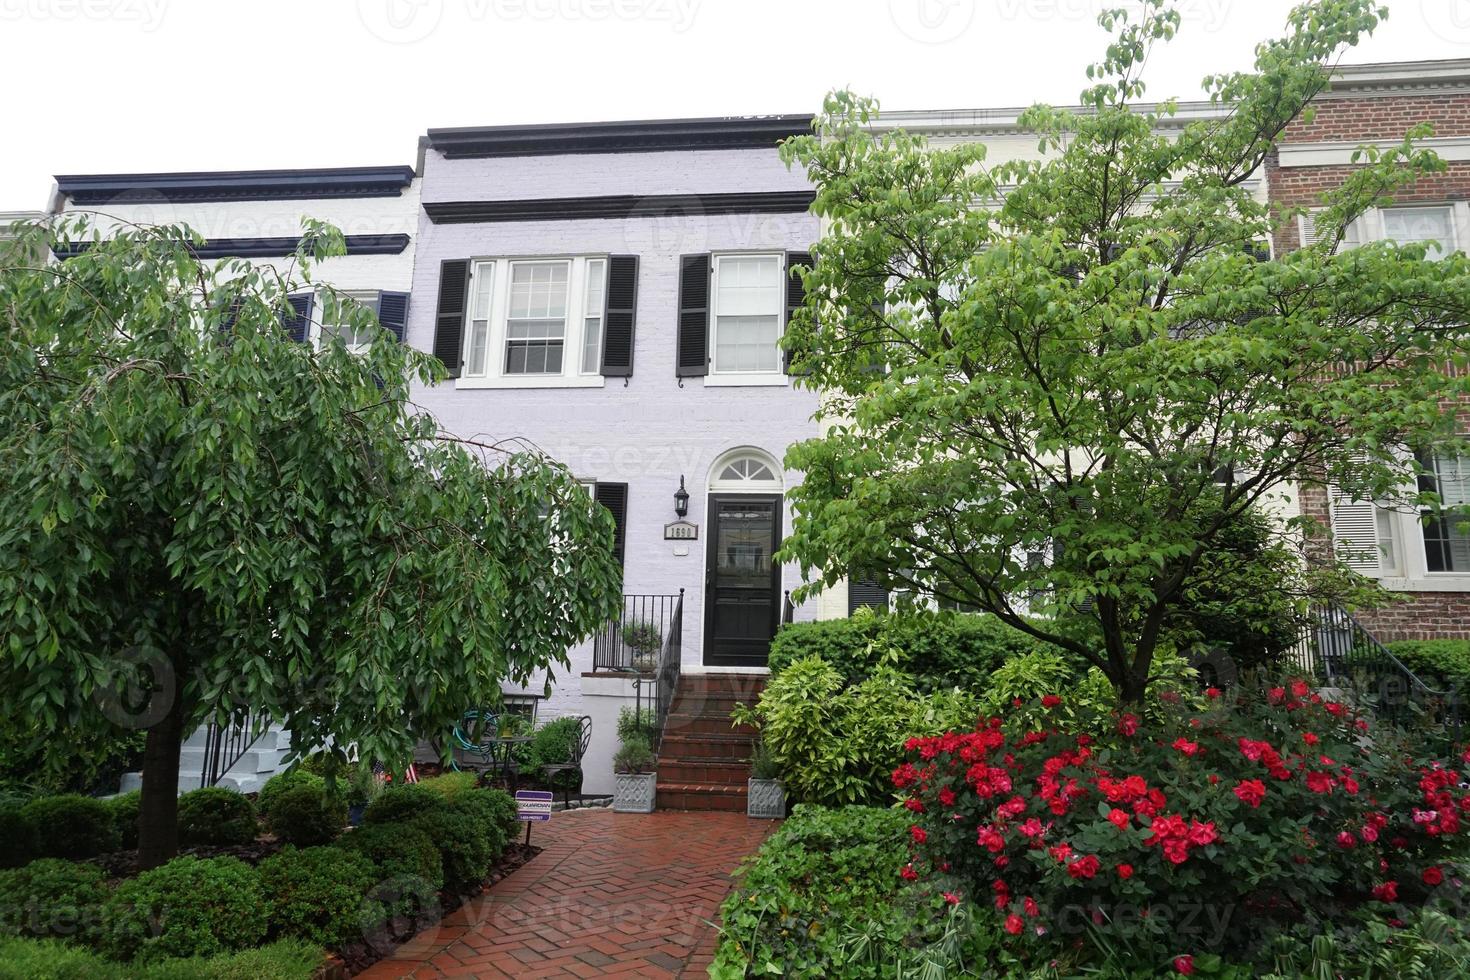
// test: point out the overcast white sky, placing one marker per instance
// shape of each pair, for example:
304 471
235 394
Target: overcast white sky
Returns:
104 86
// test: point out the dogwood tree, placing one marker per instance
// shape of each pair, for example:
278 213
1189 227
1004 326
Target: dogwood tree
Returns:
1053 384
202 516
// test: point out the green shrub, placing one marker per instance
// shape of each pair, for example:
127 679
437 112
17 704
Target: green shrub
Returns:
552 744
399 803
937 649
283 781
493 812
71 826
124 808
634 755
464 846
397 851
31 959
834 744
19 835
1441 663
214 815
187 907
633 724
316 893
451 784
52 897
823 897
305 814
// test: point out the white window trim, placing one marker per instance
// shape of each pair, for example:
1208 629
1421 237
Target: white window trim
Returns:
1371 221
751 379
573 336
367 297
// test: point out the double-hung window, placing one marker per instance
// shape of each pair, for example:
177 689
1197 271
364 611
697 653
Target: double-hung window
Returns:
357 341
747 313
1447 533
536 321
1432 226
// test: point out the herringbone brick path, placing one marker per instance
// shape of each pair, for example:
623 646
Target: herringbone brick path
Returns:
612 894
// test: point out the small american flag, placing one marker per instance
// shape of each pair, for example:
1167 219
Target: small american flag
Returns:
410 775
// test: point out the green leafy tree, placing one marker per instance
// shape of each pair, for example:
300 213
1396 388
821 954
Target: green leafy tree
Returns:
1063 379
201 516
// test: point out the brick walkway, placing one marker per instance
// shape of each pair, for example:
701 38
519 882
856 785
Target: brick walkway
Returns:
612 894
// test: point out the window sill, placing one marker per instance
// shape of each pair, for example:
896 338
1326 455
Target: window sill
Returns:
745 380
534 381
1433 582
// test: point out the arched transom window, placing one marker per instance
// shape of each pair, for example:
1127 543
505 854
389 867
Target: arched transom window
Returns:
746 469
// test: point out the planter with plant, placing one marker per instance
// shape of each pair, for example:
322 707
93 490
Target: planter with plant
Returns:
635 782
645 640
765 797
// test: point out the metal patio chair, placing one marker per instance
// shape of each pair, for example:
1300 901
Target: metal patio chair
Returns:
574 763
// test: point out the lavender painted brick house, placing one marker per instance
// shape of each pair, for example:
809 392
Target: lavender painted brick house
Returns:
614 293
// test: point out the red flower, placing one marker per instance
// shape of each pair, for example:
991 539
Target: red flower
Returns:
1084 867
1388 891
905 776
1334 709
1299 689
914 805
1050 701
1251 791
1212 693
1309 738
1128 725
1125 871
1276 695
1187 747
1118 818
951 898
908 873
919 834
1202 833
1014 924
1433 876
1346 840
946 796
1320 782
1184 965
1030 906
1032 828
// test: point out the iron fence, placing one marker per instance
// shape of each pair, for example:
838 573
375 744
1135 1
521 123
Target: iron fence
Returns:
633 641
225 745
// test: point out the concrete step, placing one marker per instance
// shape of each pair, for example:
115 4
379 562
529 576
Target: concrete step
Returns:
695 796
686 724
704 773
705 748
745 686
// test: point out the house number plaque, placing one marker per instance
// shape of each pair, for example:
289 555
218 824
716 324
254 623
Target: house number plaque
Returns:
681 531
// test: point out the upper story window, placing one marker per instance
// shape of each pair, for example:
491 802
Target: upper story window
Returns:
1447 535
356 341
746 317
1433 226
534 320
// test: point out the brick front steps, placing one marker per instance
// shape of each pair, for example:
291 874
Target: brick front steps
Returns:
704 760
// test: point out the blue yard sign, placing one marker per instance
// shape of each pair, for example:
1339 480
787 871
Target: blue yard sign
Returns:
533 804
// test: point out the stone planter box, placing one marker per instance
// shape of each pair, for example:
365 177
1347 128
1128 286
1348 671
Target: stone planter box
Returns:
633 792
765 798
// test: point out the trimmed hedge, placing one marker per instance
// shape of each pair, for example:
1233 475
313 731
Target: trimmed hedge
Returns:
124 808
450 784
939 650
71 826
304 814
52 897
316 893
283 781
397 851
1438 662
214 815
19 835
47 959
187 907
399 803
465 845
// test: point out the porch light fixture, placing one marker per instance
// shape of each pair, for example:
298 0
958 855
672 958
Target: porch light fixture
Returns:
681 498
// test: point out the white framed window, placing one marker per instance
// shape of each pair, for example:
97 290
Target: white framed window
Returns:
1447 534
746 314
535 322
356 341
1433 226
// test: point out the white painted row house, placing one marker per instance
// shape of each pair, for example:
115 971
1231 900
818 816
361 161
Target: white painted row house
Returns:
614 293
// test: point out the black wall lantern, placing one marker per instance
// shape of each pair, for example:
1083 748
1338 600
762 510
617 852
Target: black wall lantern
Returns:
681 499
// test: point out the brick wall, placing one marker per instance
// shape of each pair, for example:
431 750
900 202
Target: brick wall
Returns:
1350 120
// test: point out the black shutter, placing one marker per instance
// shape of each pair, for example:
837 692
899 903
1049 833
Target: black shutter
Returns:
393 312
298 324
795 298
620 311
454 290
692 360
863 591
614 496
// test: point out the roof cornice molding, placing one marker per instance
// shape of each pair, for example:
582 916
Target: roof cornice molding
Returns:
630 136
1390 78
619 206
1006 121
260 248
235 185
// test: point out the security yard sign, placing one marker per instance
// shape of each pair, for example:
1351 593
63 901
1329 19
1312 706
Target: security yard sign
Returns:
533 804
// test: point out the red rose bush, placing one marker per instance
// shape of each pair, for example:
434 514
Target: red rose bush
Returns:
1204 831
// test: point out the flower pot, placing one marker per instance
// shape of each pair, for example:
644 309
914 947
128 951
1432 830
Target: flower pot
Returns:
765 798
633 792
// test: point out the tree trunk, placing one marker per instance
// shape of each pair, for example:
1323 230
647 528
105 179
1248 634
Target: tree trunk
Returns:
1130 689
158 805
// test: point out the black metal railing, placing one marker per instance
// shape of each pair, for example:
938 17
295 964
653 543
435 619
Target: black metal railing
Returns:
788 609
225 745
634 640
1338 651
667 683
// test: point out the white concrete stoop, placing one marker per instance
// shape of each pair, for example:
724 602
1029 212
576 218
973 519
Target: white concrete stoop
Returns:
262 761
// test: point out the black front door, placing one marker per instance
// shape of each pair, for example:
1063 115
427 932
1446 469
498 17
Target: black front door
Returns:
742 594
